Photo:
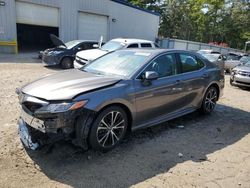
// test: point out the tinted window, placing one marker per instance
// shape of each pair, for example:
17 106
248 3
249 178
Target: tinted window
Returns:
146 45
190 63
81 46
133 46
89 45
164 65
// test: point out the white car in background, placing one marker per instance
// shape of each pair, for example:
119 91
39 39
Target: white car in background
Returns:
86 56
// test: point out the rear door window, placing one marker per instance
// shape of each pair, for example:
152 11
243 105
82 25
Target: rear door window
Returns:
190 63
89 45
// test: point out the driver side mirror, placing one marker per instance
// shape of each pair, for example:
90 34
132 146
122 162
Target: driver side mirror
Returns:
95 46
79 48
151 75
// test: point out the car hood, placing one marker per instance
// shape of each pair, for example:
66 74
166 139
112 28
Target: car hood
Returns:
91 54
67 84
242 68
56 41
56 49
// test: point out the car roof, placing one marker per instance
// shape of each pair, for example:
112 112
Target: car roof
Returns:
156 51
131 40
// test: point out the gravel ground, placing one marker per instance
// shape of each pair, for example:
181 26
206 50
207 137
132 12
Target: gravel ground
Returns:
210 151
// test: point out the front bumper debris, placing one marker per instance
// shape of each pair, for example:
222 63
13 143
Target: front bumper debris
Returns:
25 135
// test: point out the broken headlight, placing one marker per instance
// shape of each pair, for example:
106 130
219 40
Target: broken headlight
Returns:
61 107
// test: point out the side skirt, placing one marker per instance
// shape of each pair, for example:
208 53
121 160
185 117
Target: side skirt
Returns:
164 118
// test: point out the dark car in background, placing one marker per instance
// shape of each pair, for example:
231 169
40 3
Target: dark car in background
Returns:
122 91
64 53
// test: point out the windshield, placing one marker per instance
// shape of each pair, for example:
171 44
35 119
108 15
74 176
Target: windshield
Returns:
245 59
212 57
233 57
112 46
119 63
72 44
247 64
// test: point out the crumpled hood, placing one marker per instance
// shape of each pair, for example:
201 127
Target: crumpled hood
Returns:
242 68
66 84
91 54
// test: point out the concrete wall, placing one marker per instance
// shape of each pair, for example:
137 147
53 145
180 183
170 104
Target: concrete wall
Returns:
127 21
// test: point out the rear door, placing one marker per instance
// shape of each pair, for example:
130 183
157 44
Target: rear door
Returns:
194 79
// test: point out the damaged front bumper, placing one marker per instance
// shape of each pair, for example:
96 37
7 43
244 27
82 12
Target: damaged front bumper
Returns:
48 128
25 135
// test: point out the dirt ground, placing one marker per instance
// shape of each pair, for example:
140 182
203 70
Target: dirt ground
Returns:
210 151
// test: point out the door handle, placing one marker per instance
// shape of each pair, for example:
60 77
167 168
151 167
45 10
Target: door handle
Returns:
178 81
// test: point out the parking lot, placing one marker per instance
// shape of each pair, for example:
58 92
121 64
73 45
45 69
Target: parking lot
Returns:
192 151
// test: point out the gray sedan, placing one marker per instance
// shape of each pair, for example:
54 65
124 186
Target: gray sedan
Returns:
120 92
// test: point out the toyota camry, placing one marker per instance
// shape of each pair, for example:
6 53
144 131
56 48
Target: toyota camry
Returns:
123 91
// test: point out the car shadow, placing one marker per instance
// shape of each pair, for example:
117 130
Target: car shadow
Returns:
145 153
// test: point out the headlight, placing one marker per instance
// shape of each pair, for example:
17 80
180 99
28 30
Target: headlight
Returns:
61 107
57 52
54 52
234 72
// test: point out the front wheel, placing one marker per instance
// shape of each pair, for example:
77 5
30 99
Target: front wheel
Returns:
109 129
209 101
67 63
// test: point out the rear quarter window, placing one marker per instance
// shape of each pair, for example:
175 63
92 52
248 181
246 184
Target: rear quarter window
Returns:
146 45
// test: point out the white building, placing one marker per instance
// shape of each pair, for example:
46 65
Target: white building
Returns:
29 22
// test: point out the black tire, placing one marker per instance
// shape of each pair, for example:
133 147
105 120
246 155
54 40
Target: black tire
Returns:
231 82
67 63
105 135
209 101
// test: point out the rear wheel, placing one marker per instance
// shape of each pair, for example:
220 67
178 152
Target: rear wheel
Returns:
209 101
109 129
67 63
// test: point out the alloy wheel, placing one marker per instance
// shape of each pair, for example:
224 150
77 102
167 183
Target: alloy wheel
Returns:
211 99
110 129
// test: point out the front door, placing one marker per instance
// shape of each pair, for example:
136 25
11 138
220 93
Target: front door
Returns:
161 96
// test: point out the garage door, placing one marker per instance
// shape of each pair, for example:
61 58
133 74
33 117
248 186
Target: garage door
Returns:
33 14
92 26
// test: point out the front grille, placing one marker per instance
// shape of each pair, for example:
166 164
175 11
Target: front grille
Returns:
244 73
81 60
31 106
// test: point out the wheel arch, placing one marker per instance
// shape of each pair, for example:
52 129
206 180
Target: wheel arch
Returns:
124 107
66 56
216 85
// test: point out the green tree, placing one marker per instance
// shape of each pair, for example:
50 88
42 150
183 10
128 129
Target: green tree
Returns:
226 21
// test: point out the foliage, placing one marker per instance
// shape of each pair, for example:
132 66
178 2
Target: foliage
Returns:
221 21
